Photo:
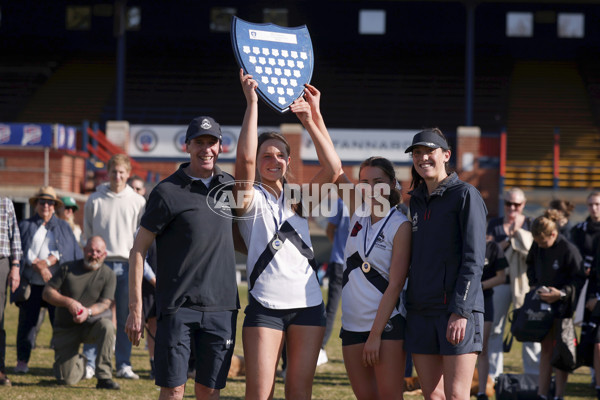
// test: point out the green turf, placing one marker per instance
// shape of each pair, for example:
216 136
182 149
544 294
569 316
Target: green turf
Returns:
330 381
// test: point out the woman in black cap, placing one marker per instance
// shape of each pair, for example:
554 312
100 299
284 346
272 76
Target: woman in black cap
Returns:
444 296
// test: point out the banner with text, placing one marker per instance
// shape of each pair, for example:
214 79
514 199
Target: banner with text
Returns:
352 145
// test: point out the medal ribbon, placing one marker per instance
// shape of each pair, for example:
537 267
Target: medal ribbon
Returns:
378 233
280 222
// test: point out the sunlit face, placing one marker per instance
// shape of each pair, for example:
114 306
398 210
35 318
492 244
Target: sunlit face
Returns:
514 203
374 183
95 253
204 151
272 160
45 208
593 204
430 163
546 241
118 175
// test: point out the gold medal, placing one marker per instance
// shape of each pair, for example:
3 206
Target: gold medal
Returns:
276 244
366 267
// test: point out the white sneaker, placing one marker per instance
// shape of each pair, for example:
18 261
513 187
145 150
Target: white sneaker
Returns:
322 357
89 372
127 373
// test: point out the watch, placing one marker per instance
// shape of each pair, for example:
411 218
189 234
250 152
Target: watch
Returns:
89 312
563 295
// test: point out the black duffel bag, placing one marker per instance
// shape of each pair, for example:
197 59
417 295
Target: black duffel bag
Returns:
515 387
532 321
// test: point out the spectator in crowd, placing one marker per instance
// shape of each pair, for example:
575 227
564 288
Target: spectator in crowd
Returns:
593 312
46 241
493 275
10 257
148 284
137 184
113 212
512 233
67 212
584 233
553 267
285 300
565 208
444 298
196 299
82 292
337 233
377 257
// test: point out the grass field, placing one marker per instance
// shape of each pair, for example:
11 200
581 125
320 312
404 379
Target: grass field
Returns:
330 381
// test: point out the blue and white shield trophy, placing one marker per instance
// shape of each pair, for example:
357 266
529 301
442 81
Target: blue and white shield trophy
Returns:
280 59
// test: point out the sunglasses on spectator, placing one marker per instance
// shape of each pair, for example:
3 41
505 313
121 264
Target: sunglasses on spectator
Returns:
509 204
42 202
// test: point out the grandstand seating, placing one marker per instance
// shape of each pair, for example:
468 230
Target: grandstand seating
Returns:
169 90
19 79
76 91
543 96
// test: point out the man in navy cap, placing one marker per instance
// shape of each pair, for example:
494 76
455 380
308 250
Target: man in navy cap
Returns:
196 295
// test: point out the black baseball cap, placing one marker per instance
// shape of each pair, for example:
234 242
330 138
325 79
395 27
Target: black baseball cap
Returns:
203 126
428 138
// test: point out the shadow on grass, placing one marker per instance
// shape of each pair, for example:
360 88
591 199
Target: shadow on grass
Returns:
331 379
42 382
580 389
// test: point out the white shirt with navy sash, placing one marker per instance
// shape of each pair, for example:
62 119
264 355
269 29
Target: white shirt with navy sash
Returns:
360 298
288 281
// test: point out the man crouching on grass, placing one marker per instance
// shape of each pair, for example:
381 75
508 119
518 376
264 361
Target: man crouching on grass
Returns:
82 290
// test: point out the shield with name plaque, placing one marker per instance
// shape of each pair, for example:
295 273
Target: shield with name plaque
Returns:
280 59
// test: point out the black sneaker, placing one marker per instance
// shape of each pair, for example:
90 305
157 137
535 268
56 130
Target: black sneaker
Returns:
482 396
107 384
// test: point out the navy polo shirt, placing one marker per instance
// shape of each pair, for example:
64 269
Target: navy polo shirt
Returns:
194 245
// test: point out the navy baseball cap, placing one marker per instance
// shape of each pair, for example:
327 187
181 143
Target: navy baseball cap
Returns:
203 126
428 138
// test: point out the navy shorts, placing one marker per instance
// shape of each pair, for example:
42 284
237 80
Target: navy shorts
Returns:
213 336
394 330
488 307
426 334
259 316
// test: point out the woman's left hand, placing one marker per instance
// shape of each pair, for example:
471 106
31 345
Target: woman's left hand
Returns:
313 97
371 351
302 110
457 326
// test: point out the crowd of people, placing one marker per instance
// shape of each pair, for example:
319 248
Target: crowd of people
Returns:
432 282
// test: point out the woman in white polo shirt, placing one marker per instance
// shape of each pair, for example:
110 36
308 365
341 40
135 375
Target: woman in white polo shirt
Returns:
285 300
377 259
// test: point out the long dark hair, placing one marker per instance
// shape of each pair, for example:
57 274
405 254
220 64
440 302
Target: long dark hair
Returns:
388 169
416 178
